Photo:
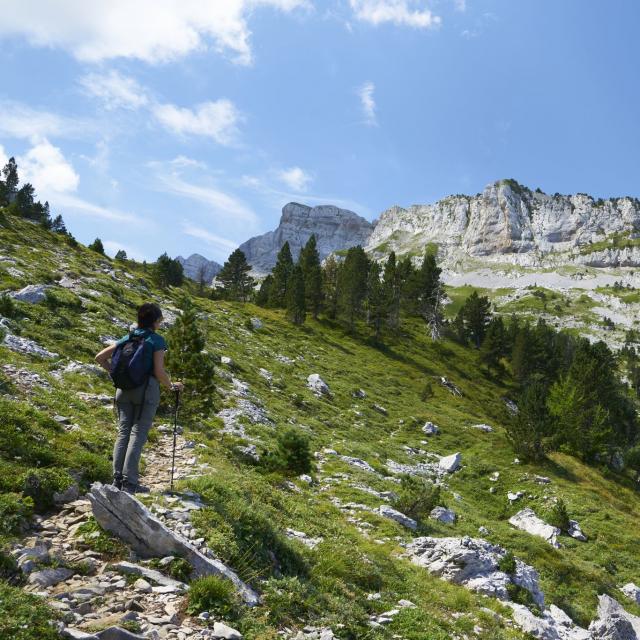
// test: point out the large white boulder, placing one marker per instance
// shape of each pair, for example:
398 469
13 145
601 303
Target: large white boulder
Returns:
632 591
430 429
613 622
475 564
391 513
32 294
527 520
451 463
442 514
318 385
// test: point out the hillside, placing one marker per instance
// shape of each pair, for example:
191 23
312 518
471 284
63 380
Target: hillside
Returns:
319 550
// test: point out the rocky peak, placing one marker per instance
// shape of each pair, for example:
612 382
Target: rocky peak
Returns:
334 228
197 267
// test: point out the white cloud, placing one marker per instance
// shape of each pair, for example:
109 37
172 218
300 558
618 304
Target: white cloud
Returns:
217 120
150 30
398 12
295 178
221 204
46 168
21 121
3 157
115 90
220 243
368 103
69 203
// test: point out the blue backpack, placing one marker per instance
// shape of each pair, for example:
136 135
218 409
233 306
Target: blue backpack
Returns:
129 363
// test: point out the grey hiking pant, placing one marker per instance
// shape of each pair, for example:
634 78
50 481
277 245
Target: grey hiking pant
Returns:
136 410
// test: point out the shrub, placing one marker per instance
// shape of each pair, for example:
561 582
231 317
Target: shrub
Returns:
287 600
24 616
507 563
213 594
41 484
292 453
7 306
9 570
417 497
559 515
180 569
15 511
101 541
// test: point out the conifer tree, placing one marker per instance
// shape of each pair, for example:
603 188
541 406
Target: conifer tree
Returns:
281 274
529 428
168 272
377 304
262 297
476 313
296 311
330 287
58 225
429 293
121 254
234 277
10 173
189 362
309 261
392 286
494 345
352 285
97 246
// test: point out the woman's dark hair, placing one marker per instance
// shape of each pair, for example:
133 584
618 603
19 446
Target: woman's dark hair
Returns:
148 313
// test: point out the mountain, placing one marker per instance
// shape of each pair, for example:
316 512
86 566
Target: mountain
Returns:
197 267
510 223
334 228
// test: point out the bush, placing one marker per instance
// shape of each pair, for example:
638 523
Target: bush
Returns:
24 616
417 497
41 484
7 306
213 594
101 541
15 511
559 515
287 601
292 453
180 569
507 563
9 570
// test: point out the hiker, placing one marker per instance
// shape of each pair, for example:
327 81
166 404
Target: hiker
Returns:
136 365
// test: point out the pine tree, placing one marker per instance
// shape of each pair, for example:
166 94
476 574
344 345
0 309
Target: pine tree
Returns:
309 261
58 225
97 246
330 287
189 362
25 200
494 345
477 314
352 285
391 290
520 360
429 294
262 297
296 311
234 277
529 428
377 304
168 272
121 254
10 173
281 274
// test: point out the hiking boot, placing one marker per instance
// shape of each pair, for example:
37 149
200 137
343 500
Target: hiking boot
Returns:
134 488
117 483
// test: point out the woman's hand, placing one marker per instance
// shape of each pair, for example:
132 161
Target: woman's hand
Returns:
177 386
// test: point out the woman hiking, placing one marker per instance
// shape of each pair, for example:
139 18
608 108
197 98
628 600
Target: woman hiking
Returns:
136 365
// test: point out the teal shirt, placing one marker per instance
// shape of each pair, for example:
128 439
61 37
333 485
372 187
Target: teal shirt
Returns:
155 342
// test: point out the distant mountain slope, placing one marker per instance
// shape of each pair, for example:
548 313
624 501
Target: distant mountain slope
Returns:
508 222
197 266
333 227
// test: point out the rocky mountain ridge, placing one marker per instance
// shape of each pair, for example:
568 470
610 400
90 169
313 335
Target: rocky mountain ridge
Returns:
506 223
197 267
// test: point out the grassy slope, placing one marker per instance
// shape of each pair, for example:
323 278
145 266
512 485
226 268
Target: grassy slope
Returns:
250 509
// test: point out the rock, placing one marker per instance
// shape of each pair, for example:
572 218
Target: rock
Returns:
380 409
49 577
451 463
130 568
126 517
483 427
430 429
513 497
142 586
554 624
256 323
334 229
117 633
388 512
617 461
302 537
541 479
32 294
222 631
613 622
76 634
26 346
227 360
473 563
632 591
318 385
71 493
575 531
358 464
249 451
359 393
527 520
441 514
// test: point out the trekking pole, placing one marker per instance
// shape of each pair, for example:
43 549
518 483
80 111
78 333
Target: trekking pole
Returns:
175 436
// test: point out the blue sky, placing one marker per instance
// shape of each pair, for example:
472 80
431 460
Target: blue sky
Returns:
185 126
